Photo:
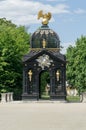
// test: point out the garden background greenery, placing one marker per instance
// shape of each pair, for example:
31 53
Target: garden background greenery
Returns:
14 43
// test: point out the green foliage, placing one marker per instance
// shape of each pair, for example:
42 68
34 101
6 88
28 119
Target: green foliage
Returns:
44 80
76 66
14 43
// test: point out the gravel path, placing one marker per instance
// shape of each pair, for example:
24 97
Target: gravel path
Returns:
42 116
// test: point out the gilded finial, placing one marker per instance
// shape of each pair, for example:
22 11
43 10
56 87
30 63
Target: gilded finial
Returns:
45 17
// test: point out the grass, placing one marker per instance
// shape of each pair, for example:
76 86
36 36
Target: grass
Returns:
73 98
45 96
68 98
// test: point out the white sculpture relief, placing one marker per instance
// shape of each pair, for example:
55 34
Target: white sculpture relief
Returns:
44 61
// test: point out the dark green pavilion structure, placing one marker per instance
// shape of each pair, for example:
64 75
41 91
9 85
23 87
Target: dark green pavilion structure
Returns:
44 56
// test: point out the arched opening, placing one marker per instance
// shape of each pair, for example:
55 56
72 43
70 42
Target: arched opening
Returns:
44 85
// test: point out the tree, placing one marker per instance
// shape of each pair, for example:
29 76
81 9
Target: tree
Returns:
14 43
44 80
76 66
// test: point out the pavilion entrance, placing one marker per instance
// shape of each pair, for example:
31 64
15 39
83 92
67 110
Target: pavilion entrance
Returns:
44 85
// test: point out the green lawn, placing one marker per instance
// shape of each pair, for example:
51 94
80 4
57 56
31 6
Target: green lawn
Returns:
45 96
73 98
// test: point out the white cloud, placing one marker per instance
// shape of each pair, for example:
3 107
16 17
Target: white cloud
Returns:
65 46
24 12
80 11
56 0
68 20
52 0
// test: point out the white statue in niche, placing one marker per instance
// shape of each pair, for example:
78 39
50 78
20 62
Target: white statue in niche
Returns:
44 61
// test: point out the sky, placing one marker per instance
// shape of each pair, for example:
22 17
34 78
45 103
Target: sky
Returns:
68 16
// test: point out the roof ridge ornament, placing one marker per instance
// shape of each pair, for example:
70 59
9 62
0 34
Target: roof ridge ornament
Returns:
45 17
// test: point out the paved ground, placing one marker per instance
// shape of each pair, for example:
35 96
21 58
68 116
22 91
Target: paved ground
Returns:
42 116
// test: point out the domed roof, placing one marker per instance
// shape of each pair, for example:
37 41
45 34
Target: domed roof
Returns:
45 37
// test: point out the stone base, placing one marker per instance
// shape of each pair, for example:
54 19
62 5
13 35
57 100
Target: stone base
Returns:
32 97
7 97
84 97
27 97
58 97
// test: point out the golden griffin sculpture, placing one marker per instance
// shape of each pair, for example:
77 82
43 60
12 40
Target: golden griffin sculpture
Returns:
45 17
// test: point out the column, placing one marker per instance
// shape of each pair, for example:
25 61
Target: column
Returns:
8 97
24 82
52 81
3 97
64 79
11 96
